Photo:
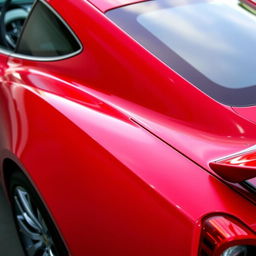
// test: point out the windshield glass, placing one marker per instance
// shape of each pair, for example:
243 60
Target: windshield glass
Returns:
210 43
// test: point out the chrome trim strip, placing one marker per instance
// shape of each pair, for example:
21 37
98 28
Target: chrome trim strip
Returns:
33 58
57 58
5 51
247 150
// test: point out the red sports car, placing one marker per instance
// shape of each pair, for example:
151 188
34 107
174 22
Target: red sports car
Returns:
127 127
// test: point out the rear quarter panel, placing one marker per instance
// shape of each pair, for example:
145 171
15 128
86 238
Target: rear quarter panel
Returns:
111 186
104 179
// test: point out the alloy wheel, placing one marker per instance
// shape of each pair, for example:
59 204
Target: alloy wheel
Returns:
33 231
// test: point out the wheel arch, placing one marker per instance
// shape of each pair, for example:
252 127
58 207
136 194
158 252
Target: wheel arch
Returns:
10 165
8 168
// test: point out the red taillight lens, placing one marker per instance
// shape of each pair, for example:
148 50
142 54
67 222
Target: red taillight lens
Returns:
225 236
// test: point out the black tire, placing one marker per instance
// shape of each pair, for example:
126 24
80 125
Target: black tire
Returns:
36 230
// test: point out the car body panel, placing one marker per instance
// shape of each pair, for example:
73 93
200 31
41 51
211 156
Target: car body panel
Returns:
101 136
110 4
114 171
247 112
166 110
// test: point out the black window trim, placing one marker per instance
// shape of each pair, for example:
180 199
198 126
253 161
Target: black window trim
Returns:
47 59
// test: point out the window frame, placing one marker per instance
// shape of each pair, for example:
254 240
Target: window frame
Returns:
46 59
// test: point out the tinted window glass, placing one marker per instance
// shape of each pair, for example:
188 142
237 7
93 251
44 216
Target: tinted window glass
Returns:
207 37
211 43
45 35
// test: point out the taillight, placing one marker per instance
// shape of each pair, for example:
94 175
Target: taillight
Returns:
225 236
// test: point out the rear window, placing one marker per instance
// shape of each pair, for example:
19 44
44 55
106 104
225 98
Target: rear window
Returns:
209 43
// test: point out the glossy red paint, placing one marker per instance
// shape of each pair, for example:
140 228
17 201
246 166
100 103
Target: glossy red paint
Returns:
247 112
110 4
118 145
237 168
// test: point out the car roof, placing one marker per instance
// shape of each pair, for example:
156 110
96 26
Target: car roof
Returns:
105 5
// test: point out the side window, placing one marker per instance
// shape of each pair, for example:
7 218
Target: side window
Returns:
45 35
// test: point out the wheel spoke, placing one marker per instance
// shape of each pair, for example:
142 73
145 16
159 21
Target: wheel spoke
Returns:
26 208
50 252
33 249
29 221
41 221
46 253
34 232
23 228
